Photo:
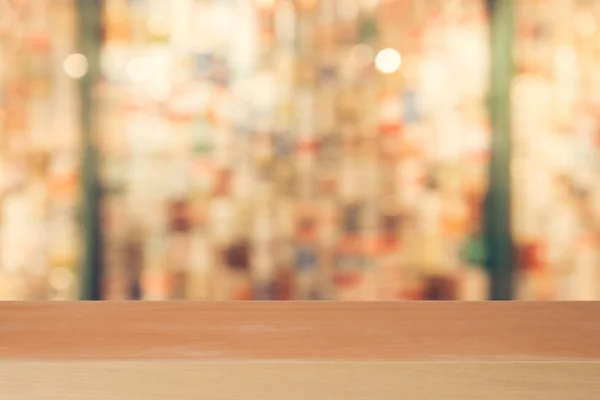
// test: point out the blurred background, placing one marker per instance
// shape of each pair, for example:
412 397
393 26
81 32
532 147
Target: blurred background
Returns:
299 149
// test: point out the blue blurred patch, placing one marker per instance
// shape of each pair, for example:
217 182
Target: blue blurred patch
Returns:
306 258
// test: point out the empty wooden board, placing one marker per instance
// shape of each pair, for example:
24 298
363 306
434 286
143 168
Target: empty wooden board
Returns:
188 350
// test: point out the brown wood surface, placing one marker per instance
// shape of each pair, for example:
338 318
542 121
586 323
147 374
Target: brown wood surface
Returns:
176 380
289 332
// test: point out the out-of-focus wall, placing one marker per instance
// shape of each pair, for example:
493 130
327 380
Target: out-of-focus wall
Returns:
39 150
556 139
294 149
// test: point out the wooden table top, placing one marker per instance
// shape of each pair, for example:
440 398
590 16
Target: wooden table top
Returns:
298 331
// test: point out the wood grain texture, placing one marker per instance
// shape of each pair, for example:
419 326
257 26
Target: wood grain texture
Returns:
254 331
165 380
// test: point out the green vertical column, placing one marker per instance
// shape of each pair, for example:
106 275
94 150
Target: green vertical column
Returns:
500 259
89 42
